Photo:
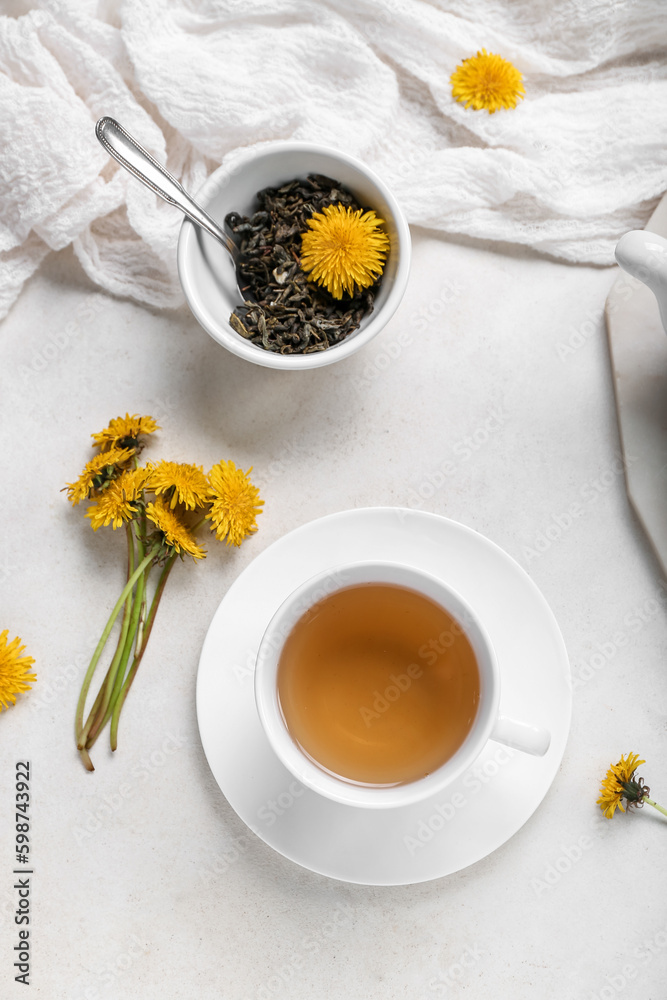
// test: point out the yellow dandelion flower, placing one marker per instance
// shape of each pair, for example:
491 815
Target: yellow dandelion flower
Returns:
15 675
619 784
234 501
487 81
176 535
344 249
123 432
117 503
97 473
181 482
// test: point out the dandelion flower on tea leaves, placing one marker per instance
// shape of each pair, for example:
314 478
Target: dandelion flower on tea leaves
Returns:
487 82
180 483
98 473
118 502
124 432
344 249
176 536
235 503
15 675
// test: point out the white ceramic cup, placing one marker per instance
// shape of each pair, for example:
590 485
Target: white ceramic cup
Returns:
488 723
206 271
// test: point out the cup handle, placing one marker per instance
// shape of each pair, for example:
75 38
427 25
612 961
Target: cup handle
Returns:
520 736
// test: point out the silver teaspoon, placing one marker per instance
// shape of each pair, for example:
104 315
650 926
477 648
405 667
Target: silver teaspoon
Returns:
127 151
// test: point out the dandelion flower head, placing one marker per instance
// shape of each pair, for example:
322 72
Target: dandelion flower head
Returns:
344 249
175 535
15 672
98 472
487 82
235 503
124 432
618 784
117 504
180 483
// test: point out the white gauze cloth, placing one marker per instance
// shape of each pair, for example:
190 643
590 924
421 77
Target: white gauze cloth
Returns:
581 160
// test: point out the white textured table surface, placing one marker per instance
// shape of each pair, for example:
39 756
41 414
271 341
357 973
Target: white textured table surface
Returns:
165 893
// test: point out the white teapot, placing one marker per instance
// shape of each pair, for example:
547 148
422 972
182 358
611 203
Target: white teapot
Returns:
644 255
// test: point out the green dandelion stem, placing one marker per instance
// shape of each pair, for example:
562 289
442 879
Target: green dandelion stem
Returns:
93 714
118 683
97 727
135 637
164 575
102 643
142 616
656 806
119 676
98 711
134 625
96 719
94 710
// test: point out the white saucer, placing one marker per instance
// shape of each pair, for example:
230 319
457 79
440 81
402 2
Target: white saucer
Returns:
413 843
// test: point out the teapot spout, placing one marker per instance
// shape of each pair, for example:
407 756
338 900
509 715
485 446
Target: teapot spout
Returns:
644 255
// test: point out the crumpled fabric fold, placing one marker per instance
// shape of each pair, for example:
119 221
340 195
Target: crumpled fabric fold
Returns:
581 160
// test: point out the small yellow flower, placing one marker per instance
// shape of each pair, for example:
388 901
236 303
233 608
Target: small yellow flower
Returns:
181 483
344 249
619 784
487 81
97 473
15 675
176 535
234 501
123 432
117 503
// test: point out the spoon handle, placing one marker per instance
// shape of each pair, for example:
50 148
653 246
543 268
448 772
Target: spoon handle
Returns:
127 151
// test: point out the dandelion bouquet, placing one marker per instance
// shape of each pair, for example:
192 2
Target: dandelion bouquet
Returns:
160 506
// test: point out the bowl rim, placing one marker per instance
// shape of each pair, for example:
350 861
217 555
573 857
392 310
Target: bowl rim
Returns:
232 341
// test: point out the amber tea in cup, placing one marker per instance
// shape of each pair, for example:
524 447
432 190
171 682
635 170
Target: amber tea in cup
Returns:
378 684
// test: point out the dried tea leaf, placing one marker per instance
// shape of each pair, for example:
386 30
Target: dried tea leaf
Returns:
237 325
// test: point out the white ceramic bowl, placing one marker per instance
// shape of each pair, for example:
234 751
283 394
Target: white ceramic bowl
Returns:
206 270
